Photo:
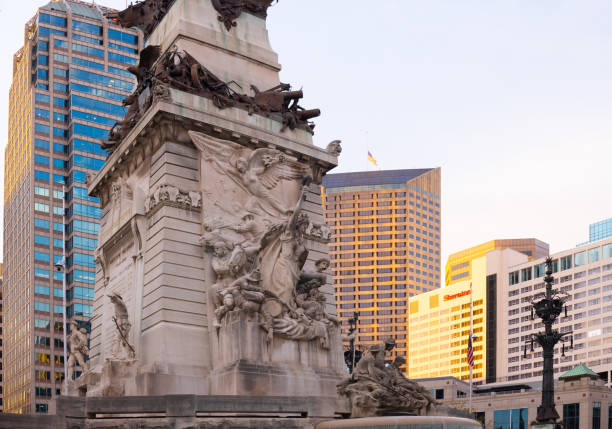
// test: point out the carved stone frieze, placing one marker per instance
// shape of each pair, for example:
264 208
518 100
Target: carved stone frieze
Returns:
230 10
171 195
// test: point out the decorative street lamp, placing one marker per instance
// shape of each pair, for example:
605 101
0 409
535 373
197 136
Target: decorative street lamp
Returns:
548 309
352 356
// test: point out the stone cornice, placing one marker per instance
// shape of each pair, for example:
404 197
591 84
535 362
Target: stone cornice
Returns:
191 112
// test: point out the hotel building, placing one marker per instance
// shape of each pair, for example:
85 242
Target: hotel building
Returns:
439 321
69 79
385 248
583 273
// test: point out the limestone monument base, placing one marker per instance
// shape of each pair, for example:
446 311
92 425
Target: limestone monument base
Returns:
191 412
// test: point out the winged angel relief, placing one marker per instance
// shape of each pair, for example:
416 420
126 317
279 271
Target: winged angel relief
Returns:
254 226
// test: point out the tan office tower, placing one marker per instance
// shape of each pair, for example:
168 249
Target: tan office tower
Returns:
69 79
385 248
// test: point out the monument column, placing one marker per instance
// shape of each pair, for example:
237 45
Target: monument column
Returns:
213 249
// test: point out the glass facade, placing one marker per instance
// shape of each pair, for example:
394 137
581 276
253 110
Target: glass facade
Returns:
571 416
62 102
600 230
511 419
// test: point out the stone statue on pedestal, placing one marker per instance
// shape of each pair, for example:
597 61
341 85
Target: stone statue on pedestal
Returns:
377 389
77 345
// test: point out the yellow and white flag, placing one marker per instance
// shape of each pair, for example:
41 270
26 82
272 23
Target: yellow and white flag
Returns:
371 159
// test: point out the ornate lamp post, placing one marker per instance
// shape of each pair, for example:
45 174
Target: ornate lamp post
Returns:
352 356
548 309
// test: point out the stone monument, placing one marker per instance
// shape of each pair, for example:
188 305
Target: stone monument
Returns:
212 258
213 304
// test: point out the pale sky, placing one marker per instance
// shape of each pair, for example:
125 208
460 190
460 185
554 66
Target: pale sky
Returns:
513 99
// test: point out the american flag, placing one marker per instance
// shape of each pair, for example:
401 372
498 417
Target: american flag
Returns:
470 352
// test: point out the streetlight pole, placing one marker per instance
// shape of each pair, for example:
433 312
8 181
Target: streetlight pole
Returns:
353 336
351 356
64 289
548 309
471 346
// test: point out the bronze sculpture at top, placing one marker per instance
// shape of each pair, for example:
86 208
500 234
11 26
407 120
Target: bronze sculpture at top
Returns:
230 10
148 13
156 72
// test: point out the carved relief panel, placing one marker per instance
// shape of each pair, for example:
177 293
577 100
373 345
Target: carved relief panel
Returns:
255 231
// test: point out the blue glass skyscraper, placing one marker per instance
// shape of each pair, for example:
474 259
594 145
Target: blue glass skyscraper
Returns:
69 79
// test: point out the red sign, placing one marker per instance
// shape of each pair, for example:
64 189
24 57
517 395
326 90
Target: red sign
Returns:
456 295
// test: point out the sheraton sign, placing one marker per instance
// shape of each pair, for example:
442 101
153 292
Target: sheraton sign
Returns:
456 295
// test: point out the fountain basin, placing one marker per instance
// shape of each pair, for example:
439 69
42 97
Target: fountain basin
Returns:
402 422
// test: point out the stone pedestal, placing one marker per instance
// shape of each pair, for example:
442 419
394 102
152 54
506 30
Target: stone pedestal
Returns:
185 411
247 364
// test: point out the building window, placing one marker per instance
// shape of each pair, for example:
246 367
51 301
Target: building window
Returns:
513 278
56 21
596 415
60 72
122 37
510 419
439 394
579 259
41 324
571 416
594 255
566 262
41 290
607 251
526 274
86 27
41 306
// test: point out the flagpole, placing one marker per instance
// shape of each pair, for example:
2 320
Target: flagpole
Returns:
367 148
471 336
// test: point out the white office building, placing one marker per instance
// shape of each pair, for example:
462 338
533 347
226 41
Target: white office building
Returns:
585 274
